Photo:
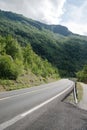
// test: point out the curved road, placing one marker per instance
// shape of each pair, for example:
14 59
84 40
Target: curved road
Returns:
38 108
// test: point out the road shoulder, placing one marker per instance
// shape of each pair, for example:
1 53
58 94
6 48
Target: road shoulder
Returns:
83 102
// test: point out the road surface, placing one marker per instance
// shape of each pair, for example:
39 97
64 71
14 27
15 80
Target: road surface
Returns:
39 108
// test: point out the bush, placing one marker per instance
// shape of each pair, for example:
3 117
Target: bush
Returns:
82 75
8 68
12 48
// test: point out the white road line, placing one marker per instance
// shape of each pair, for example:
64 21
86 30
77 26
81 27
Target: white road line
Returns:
21 116
17 95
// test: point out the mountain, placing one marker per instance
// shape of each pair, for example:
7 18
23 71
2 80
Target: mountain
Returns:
63 49
20 18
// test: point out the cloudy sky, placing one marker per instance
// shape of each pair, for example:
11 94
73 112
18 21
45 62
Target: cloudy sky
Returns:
71 13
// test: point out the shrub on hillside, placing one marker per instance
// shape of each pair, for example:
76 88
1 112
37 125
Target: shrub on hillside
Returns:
82 75
8 69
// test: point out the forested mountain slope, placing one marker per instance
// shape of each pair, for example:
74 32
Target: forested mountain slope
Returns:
19 18
62 48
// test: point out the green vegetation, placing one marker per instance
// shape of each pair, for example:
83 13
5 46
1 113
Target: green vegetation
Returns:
82 75
70 98
8 69
80 91
67 53
38 66
47 51
17 62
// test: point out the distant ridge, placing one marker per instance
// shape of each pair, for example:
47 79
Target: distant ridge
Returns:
54 28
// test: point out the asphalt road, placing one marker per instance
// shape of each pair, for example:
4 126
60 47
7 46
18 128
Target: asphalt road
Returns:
39 108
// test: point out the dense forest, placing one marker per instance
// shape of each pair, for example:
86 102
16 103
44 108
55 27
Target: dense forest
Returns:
47 50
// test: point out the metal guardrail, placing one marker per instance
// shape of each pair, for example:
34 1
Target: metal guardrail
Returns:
75 93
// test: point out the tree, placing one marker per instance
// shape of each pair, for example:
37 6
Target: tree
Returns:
8 68
82 75
28 54
13 48
2 45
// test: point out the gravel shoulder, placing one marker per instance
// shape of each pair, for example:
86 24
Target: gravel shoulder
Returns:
83 102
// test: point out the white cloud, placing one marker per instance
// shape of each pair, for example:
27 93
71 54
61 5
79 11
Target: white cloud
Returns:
77 28
70 13
76 19
48 11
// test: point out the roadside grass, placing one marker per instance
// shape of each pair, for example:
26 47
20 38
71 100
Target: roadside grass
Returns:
70 98
24 81
1 88
80 91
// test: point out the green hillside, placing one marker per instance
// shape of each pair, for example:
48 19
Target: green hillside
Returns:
64 50
19 18
23 65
